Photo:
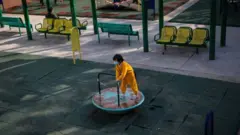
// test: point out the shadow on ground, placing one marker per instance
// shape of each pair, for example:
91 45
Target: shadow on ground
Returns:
200 13
51 96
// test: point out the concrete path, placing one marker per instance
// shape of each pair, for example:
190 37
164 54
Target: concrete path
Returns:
177 60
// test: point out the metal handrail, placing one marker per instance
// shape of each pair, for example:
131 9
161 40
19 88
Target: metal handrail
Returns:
99 86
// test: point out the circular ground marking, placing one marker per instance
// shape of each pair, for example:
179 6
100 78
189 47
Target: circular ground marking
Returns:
108 100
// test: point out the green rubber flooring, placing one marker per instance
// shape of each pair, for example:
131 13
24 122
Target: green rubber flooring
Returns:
83 9
199 13
51 96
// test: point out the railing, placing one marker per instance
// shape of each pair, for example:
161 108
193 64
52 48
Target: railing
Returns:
99 86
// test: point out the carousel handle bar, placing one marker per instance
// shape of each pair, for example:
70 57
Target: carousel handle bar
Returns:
99 85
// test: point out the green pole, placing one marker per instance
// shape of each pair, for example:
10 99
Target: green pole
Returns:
161 16
145 26
73 11
94 15
224 23
1 25
212 30
27 21
48 4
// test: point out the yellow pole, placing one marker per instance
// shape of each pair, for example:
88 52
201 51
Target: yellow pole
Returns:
139 5
75 43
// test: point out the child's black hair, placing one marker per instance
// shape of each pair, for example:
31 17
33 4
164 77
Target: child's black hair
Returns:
118 58
50 9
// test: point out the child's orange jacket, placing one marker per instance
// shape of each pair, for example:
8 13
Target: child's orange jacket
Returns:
125 74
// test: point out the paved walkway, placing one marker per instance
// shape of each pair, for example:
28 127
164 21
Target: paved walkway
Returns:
176 60
50 96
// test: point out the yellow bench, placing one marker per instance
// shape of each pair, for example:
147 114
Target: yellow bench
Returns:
59 26
45 26
183 36
67 27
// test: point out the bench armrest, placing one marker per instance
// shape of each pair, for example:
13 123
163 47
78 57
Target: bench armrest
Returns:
49 27
38 25
155 37
84 23
62 28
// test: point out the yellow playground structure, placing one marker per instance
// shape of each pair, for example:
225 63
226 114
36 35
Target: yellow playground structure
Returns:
75 43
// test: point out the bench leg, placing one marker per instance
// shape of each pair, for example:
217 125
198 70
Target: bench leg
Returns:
165 49
9 28
138 36
80 56
74 57
68 37
108 35
19 30
80 33
45 35
98 38
1 25
197 51
129 40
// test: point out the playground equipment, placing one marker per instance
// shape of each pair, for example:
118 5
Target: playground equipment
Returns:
75 43
183 36
109 99
119 29
118 4
59 26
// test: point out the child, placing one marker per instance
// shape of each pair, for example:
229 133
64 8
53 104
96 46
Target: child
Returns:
51 14
125 74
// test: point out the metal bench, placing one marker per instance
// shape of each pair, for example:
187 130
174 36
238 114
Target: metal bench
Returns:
67 27
59 26
183 36
118 29
14 22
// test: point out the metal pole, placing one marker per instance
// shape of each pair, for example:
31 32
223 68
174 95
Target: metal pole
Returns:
145 25
1 25
27 21
212 30
118 94
161 16
73 11
224 23
48 4
94 15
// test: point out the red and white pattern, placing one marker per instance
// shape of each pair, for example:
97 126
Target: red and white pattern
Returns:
108 99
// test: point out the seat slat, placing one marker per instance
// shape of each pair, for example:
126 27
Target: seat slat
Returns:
116 28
